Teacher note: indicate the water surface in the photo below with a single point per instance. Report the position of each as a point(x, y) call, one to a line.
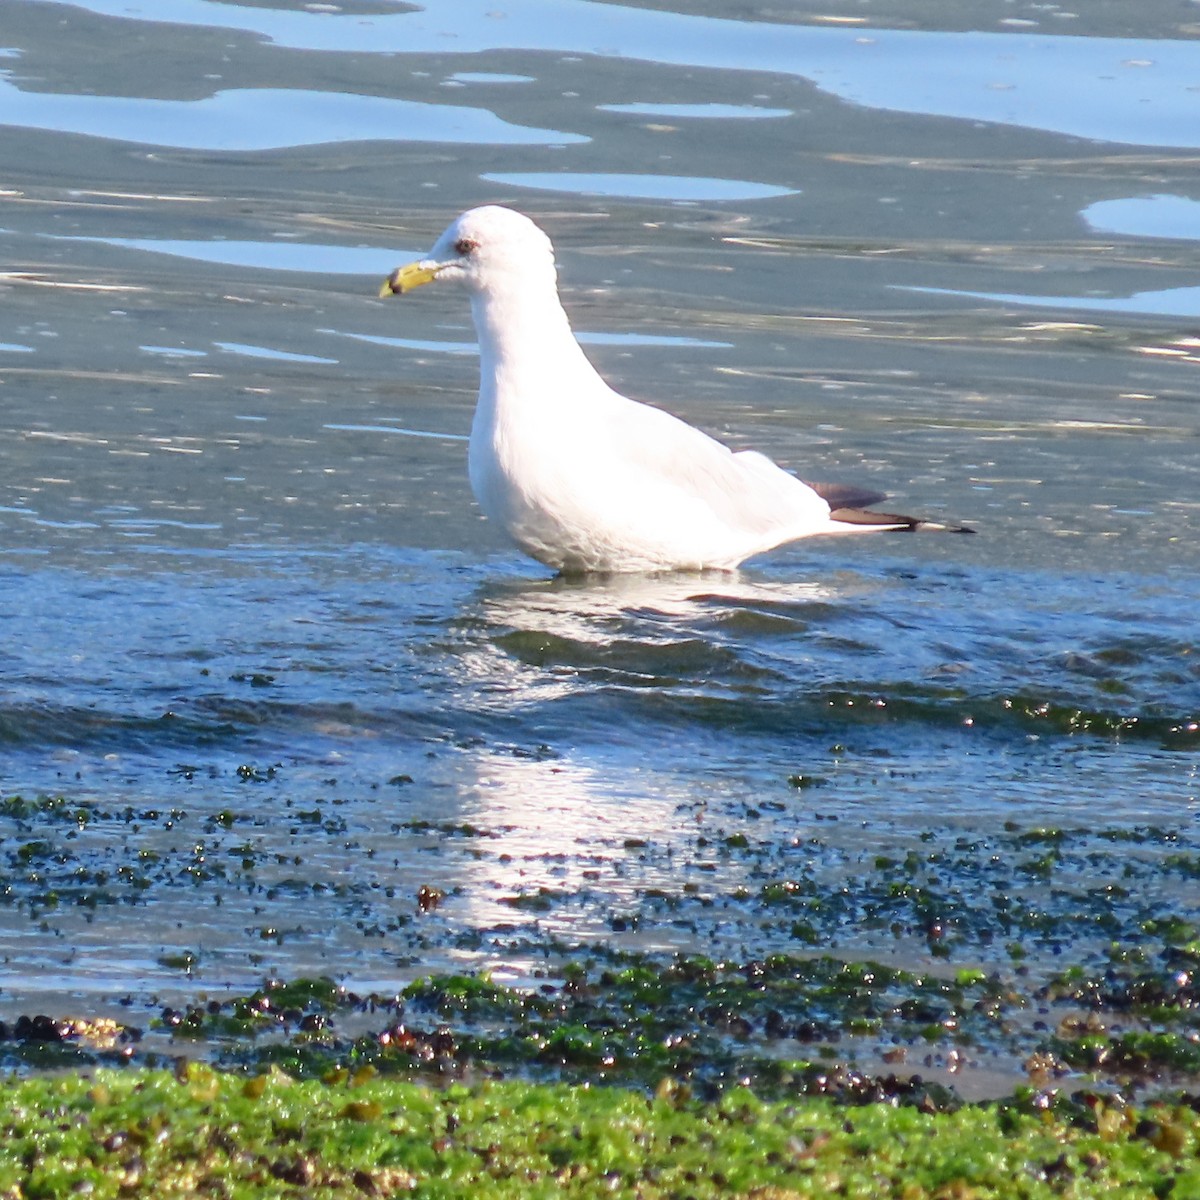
point(257, 633)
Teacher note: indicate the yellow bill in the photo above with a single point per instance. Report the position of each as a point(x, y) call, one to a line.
point(404, 279)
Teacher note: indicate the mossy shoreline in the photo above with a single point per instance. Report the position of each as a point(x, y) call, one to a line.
point(197, 1131)
point(941, 1016)
point(461, 1087)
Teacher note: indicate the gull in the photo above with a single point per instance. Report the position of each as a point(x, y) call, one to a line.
point(582, 478)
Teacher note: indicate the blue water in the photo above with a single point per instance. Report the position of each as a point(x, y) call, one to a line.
point(251, 615)
point(1135, 90)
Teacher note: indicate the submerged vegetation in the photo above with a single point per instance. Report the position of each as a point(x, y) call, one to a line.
point(787, 1026)
point(640, 1078)
point(1035, 953)
point(946, 1016)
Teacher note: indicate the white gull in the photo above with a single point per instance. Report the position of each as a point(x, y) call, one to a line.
point(582, 478)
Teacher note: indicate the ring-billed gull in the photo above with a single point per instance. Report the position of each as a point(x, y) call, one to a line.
point(583, 478)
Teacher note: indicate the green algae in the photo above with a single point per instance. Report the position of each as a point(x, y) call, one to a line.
point(873, 980)
point(786, 1024)
point(851, 959)
point(196, 1131)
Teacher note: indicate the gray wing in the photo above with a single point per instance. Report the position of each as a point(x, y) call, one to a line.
point(845, 495)
point(744, 488)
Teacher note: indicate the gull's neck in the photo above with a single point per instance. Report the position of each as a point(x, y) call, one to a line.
point(527, 351)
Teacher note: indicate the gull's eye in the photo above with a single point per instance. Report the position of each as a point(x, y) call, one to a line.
point(465, 246)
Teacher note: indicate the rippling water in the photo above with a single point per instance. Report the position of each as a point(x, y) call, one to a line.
point(253, 625)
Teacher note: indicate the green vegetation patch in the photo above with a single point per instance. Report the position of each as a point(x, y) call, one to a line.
point(201, 1132)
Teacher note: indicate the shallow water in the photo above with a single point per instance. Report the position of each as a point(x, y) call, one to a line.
point(255, 629)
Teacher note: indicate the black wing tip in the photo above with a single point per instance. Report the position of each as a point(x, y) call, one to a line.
point(894, 522)
point(943, 527)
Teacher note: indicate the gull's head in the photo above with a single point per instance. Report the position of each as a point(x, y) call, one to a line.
point(482, 250)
